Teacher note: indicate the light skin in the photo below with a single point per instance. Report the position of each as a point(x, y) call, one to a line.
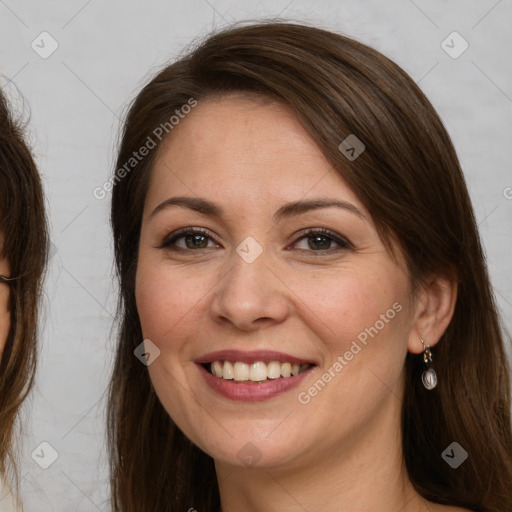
point(5, 317)
point(341, 451)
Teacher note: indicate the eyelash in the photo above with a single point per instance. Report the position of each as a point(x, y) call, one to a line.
point(169, 242)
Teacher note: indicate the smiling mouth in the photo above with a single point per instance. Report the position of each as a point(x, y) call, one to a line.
point(257, 372)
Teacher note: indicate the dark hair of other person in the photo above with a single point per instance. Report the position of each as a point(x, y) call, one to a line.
point(24, 233)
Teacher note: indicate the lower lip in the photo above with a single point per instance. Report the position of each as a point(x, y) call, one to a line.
point(256, 392)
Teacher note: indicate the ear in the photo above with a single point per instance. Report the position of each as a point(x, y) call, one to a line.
point(434, 309)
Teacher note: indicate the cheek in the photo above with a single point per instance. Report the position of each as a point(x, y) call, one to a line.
point(168, 303)
point(344, 306)
point(159, 304)
point(361, 318)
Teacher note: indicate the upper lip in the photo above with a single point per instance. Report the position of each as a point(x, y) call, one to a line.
point(251, 357)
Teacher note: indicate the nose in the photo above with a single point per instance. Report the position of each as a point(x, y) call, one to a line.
point(250, 296)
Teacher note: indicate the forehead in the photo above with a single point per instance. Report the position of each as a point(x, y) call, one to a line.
point(244, 147)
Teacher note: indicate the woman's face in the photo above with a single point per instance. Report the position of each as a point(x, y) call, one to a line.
point(254, 294)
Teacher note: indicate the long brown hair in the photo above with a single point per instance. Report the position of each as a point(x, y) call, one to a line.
point(25, 243)
point(410, 180)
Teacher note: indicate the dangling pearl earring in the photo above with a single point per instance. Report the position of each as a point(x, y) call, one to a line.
point(429, 377)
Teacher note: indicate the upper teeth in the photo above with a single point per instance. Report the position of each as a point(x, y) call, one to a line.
point(256, 372)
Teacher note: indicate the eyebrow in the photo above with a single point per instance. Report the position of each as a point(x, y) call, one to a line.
point(210, 209)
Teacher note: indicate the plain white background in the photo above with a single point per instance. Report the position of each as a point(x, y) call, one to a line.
point(77, 95)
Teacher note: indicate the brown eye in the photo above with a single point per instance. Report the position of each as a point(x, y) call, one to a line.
point(321, 241)
point(190, 238)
